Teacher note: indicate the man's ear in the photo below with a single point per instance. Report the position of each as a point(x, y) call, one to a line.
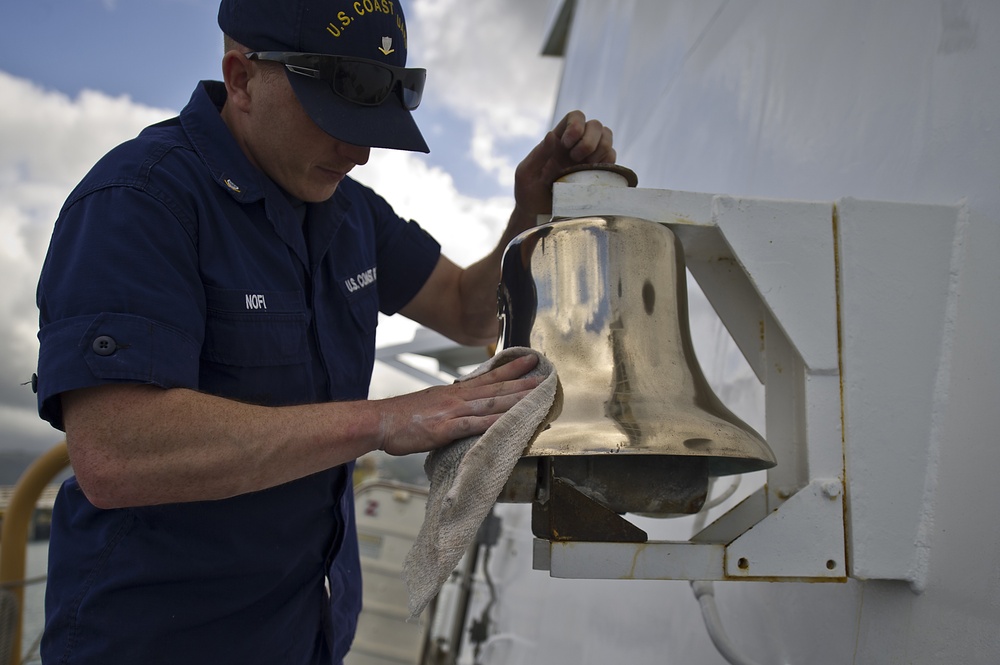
point(236, 72)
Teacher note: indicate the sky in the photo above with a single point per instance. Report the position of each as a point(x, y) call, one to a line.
point(79, 76)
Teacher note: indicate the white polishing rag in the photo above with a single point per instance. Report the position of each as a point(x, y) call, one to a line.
point(466, 479)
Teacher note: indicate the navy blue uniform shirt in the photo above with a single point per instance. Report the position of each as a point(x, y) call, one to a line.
point(177, 263)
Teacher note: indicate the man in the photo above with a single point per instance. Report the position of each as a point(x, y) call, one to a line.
point(208, 309)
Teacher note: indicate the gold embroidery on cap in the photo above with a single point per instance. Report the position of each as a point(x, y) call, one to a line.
point(364, 8)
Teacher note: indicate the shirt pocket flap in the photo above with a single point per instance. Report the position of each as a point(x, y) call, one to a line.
point(255, 328)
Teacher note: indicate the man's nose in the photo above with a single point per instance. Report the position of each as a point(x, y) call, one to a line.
point(356, 153)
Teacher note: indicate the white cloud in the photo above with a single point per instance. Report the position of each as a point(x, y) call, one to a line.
point(48, 141)
point(484, 65)
point(467, 228)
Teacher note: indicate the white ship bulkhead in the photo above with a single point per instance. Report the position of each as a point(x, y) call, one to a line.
point(832, 169)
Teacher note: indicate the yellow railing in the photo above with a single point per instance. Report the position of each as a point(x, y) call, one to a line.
point(14, 536)
point(17, 519)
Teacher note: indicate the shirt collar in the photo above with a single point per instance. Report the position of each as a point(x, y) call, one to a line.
point(211, 139)
point(215, 144)
point(234, 172)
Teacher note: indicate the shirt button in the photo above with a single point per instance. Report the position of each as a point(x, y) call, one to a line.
point(104, 345)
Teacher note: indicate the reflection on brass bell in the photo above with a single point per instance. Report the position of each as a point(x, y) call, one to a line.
point(637, 427)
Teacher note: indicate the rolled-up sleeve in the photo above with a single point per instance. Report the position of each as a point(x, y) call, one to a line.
point(119, 297)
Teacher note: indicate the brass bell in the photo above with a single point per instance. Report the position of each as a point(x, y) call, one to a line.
point(637, 429)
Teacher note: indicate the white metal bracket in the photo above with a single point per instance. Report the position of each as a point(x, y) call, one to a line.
point(777, 275)
point(797, 542)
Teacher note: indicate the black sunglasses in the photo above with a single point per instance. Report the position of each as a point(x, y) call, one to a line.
point(357, 80)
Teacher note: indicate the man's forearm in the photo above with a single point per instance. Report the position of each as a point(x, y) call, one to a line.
point(133, 445)
point(141, 445)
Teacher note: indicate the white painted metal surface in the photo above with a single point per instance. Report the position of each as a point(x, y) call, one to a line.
point(845, 102)
point(898, 285)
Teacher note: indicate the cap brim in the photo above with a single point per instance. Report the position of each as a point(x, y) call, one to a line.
point(387, 125)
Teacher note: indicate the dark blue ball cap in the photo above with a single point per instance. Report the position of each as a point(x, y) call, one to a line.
point(371, 29)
